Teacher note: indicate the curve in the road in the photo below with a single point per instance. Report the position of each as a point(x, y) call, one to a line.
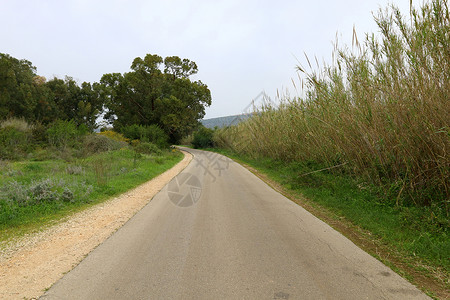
point(219, 232)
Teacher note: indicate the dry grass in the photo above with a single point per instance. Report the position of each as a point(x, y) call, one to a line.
point(382, 113)
point(18, 124)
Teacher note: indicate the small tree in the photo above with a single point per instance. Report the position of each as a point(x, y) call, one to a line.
point(203, 138)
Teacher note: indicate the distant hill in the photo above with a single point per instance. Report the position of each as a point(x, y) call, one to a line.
point(224, 121)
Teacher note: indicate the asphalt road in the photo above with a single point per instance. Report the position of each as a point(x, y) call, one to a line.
point(218, 232)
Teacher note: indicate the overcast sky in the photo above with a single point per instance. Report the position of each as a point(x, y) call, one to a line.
point(241, 47)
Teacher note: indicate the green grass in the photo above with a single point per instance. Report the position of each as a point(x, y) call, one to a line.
point(85, 181)
point(414, 232)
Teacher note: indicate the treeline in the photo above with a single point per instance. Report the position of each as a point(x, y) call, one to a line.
point(24, 94)
point(382, 114)
point(156, 92)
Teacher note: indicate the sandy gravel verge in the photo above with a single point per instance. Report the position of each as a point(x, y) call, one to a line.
point(33, 263)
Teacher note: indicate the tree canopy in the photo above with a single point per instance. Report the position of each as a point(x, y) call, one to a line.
point(156, 91)
point(24, 94)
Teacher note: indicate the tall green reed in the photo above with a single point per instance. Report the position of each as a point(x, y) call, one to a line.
point(382, 111)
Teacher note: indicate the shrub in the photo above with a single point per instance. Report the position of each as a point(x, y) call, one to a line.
point(15, 193)
point(39, 133)
point(15, 137)
point(96, 143)
point(62, 134)
point(41, 154)
point(133, 132)
point(187, 140)
point(157, 136)
point(203, 138)
point(147, 148)
point(114, 135)
point(152, 134)
point(43, 191)
point(19, 124)
point(74, 170)
point(67, 195)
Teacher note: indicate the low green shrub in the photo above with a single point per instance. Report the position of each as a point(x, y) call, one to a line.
point(187, 140)
point(74, 170)
point(152, 134)
point(41, 154)
point(203, 138)
point(97, 143)
point(114, 135)
point(15, 193)
point(19, 124)
point(15, 138)
point(147, 148)
point(63, 134)
point(39, 134)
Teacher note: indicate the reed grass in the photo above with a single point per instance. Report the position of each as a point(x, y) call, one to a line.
point(381, 112)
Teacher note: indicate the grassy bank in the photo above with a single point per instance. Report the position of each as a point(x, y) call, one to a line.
point(401, 237)
point(34, 193)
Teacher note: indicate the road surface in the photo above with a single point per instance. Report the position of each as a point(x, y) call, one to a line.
point(218, 232)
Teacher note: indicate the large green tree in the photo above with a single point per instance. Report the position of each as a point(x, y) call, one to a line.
point(16, 87)
point(68, 101)
point(156, 91)
point(24, 94)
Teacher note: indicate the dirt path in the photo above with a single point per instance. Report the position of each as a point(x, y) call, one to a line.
point(32, 264)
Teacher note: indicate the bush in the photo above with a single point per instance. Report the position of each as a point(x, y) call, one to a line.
point(39, 133)
point(15, 137)
point(152, 134)
point(133, 132)
point(62, 134)
point(203, 138)
point(74, 170)
point(45, 190)
point(187, 140)
point(96, 143)
point(114, 135)
point(41, 154)
point(19, 124)
point(147, 148)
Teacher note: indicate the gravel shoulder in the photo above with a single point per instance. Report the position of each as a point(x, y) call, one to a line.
point(31, 264)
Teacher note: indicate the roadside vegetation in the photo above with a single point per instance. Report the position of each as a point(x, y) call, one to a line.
point(399, 236)
point(70, 169)
point(155, 92)
point(52, 162)
point(370, 138)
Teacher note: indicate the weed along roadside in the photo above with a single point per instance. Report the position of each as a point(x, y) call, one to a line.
point(46, 185)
